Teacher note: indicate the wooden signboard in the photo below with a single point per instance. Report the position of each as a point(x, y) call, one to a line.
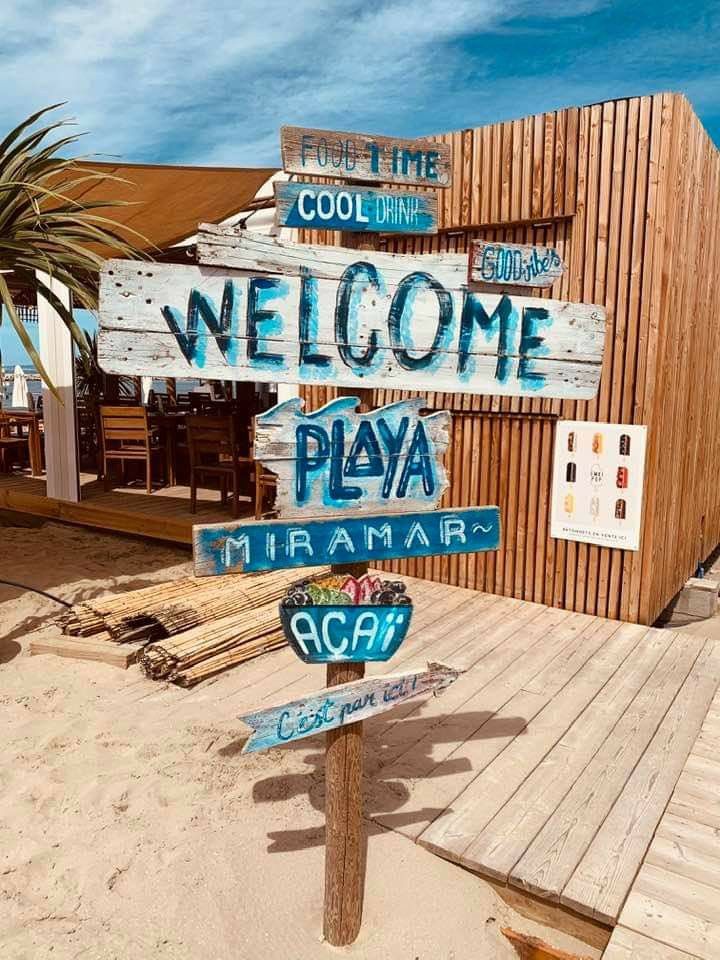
point(344, 318)
point(254, 545)
point(513, 264)
point(338, 706)
point(361, 209)
point(363, 156)
point(337, 461)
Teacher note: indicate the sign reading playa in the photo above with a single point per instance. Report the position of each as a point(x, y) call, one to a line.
point(263, 310)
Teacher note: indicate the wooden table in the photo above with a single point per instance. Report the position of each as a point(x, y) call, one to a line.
point(168, 424)
point(32, 420)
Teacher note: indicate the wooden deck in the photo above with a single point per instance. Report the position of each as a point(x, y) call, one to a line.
point(673, 909)
point(162, 515)
point(547, 766)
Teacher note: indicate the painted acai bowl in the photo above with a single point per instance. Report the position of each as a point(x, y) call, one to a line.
point(339, 618)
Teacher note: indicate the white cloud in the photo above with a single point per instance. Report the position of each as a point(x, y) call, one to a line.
point(211, 82)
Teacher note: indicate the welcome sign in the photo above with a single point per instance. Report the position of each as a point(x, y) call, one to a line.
point(338, 461)
point(343, 318)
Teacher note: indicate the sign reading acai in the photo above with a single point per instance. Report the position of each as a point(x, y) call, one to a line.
point(336, 461)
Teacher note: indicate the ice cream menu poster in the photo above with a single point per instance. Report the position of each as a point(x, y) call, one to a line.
point(597, 488)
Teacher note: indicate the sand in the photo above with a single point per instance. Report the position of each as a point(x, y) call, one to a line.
point(131, 832)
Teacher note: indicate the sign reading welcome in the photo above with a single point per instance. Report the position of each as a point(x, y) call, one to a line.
point(341, 317)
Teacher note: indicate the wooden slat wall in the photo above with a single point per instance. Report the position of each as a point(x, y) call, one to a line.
point(629, 193)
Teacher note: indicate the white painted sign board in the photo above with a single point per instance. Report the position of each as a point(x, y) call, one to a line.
point(597, 488)
point(263, 310)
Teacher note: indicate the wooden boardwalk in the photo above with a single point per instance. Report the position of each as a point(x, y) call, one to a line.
point(162, 515)
point(673, 909)
point(547, 766)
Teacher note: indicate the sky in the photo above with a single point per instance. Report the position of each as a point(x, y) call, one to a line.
point(203, 82)
point(210, 83)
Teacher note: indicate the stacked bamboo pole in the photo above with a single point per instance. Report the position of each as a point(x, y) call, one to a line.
point(194, 654)
point(194, 627)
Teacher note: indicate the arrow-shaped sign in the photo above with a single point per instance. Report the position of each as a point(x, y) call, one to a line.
point(338, 706)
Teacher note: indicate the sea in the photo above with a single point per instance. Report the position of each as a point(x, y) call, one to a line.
point(35, 385)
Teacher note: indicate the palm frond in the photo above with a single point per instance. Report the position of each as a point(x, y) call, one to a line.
point(47, 227)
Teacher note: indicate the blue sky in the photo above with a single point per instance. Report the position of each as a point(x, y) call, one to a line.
point(211, 82)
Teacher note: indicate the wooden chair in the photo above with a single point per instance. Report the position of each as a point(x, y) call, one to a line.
point(12, 441)
point(265, 482)
point(127, 436)
point(215, 451)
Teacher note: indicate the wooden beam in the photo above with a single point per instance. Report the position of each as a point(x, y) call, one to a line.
point(56, 352)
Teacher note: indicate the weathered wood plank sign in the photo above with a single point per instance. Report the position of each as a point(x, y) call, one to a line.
point(361, 209)
point(254, 545)
point(362, 156)
point(514, 264)
point(336, 706)
point(346, 318)
point(336, 461)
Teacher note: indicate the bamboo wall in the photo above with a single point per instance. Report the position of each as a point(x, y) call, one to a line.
point(628, 192)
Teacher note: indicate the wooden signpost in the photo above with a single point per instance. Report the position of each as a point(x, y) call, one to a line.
point(363, 156)
point(329, 709)
point(513, 264)
point(362, 209)
point(344, 318)
point(354, 485)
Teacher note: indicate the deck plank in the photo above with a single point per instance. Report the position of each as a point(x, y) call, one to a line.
point(620, 722)
point(471, 812)
point(604, 876)
point(514, 843)
point(628, 945)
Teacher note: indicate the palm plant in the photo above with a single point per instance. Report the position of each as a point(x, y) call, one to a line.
point(45, 227)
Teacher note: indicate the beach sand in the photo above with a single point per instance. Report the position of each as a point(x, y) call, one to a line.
point(130, 833)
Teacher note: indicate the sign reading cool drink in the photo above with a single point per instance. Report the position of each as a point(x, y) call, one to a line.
point(341, 317)
point(360, 208)
point(338, 461)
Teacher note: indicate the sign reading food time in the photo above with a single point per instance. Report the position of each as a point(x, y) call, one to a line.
point(363, 156)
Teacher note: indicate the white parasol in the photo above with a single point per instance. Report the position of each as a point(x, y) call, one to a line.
point(20, 390)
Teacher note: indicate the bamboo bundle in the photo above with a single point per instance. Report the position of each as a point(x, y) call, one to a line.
point(162, 610)
point(223, 661)
point(214, 603)
point(89, 616)
point(256, 629)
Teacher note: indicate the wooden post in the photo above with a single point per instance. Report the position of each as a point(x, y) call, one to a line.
point(344, 835)
point(56, 352)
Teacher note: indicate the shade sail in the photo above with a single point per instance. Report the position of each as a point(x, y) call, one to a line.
point(168, 202)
